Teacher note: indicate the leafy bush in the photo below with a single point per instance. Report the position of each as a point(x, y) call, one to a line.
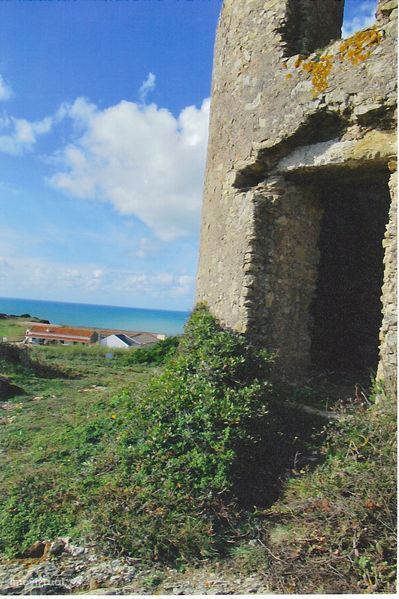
point(156, 354)
point(171, 471)
point(203, 441)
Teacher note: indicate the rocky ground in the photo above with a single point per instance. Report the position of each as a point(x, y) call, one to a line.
point(68, 569)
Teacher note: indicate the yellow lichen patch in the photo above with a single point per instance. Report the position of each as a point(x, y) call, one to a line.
point(298, 62)
point(356, 49)
point(319, 70)
point(359, 46)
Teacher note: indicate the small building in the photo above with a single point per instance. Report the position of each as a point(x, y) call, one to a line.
point(124, 341)
point(55, 334)
point(142, 339)
point(118, 341)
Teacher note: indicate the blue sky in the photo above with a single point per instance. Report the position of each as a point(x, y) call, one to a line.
point(104, 111)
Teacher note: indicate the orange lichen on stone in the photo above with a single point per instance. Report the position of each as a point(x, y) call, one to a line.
point(359, 46)
point(356, 49)
point(298, 62)
point(319, 70)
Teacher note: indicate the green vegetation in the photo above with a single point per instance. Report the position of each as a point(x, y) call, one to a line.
point(206, 457)
point(335, 528)
point(12, 328)
point(164, 471)
point(158, 353)
point(53, 438)
point(204, 443)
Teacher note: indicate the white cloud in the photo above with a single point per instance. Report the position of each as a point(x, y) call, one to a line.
point(364, 18)
point(147, 86)
point(5, 90)
point(140, 159)
point(154, 284)
point(20, 135)
point(184, 286)
point(32, 275)
point(5, 267)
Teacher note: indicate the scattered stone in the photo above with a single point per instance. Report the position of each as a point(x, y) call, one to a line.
point(74, 550)
point(36, 550)
point(45, 588)
point(90, 573)
point(57, 547)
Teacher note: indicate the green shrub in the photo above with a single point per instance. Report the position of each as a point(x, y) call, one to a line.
point(156, 354)
point(170, 471)
point(204, 440)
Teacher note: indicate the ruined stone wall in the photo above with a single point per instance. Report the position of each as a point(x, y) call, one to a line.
point(281, 268)
point(306, 25)
point(278, 121)
point(389, 331)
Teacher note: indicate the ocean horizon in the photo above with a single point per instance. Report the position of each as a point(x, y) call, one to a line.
point(168, 322)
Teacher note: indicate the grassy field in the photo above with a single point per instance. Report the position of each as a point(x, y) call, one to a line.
point(13, 328)
point(168, 468)
point(90, 443)
point(51, 405)
point(52, 433)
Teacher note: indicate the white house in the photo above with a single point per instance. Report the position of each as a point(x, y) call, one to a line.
point(118, 341)
point(123, 341)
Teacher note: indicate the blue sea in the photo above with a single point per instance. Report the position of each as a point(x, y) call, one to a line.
point(167, 322)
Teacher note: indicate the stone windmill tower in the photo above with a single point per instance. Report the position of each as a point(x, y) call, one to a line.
point(299, 216)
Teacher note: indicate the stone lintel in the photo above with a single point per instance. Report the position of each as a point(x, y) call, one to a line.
point(373, 150)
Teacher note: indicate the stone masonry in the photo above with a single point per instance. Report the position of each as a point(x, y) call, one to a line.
point(302, 125)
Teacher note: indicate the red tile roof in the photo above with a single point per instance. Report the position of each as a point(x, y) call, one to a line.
point(60, 333)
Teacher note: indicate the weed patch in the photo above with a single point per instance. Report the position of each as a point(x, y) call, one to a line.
point(206, 441)
point(204, 458)
point(55, 441)
point(335, 529)
point(19, 360)
point(157, 354)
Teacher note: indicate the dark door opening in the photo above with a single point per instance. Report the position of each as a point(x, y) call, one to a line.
point(346, 310)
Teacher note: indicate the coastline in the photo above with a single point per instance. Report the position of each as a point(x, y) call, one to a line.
point(28, 321)
point(99, 317)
